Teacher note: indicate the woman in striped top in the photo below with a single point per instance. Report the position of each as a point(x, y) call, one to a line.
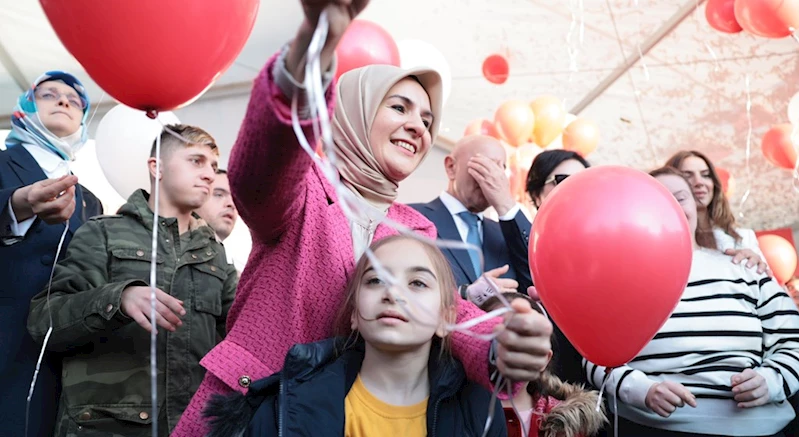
point(724, 363)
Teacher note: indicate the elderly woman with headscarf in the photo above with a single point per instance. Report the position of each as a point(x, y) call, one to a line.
point(39, 200)
point(304, 247)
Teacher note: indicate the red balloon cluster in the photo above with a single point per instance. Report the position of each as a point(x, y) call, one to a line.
point(607, 311)
point(766, 18)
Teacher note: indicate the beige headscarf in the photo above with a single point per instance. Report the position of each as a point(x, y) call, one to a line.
point(360, 93)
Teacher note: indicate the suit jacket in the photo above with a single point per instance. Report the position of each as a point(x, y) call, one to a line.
point(25, 268)
point(504, 242)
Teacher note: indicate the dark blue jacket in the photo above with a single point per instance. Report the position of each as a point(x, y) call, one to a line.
point(307, 398)
point(24, 271)
point(504, 242)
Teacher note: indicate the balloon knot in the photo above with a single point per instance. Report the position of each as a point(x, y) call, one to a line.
point(152, 113)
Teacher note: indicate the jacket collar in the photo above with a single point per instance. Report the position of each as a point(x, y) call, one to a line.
point(138, 208)
point(328, 363)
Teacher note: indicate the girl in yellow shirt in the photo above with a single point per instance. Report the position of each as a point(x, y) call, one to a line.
point(390, 373)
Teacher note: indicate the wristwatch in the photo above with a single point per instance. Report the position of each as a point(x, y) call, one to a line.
point(462, 291)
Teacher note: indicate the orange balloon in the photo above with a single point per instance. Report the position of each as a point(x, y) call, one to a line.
point(581, 136)
point(780, 255)
point(549, 118)
point(519, 162)
point(515, 121)
point(778, 148)
point(727, 181)
point(481, 127)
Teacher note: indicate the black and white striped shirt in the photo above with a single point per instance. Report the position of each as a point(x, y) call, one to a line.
point(728, 319)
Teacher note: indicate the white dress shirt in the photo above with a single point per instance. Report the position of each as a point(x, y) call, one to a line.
point(455, 207)
point(54, 167)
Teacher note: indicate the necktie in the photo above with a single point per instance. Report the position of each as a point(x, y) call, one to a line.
point(473, 237)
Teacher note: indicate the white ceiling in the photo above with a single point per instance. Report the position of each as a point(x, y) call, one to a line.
point(690, 95)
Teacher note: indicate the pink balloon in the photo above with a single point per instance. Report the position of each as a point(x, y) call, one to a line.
point(720, 15)
point(768, 18)
point(595, 265)
point(365, 43)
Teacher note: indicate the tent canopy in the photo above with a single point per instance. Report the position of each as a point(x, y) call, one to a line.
point(687, 92)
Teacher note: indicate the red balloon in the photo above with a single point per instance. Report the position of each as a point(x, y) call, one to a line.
point(720, 15)
point(153, 54)
point(365, 43)
point(780, 256)
point(769, 18)
point(482, 127)
point(496, 69)
point(778, 148)
point(594, 264)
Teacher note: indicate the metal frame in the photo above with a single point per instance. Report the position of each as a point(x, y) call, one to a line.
point(684, 12)
point(13, 69)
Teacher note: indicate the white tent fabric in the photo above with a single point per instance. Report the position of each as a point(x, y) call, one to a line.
point(687, 92)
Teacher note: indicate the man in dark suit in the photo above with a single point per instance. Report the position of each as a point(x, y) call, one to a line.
point(39, 200)
point(477, 180)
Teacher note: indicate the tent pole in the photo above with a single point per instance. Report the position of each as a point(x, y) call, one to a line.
point(666, 28)
point(13, 69)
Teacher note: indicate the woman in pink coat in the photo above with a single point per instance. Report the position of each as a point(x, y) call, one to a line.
point(304, 247)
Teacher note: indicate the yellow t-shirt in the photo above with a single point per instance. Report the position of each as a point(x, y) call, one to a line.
point(368, 416)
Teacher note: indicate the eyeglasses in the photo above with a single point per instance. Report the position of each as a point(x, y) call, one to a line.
point(556, 179)
point(54, 96)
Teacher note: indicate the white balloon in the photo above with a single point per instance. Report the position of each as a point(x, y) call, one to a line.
point(123, 142)
point(417, 53)
point(793, 109)
point(87, 168)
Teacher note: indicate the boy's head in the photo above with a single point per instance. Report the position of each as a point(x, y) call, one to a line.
point(219, 211)
point(188, 168)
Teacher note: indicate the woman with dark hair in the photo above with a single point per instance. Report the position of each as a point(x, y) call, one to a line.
point(716, 222)
point(549, 169)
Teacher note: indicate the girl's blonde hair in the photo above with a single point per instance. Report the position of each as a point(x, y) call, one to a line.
point(446, 285)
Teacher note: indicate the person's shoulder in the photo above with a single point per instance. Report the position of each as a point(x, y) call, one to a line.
point(410, 215)
point(713, 265)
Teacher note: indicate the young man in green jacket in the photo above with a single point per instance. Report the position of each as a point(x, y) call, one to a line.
point(100, 300)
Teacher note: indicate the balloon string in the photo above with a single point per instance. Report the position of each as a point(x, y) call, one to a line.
point(700, 26)
point(793, 34)
point(49, 328)
point(748, 149)
point(577, 25)
point(795, 144)
point(96, 108)
point(153, 278)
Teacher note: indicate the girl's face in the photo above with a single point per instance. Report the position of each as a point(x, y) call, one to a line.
point(393, 319)
point(697, 172)
point(400, 135)
point(682, 192)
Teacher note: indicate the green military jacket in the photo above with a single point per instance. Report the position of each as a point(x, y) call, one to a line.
point(106, 365)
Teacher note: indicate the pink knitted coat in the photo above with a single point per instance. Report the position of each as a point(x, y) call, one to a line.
point(301, 259)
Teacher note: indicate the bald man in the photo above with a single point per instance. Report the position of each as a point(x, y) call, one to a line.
point(477, 180)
